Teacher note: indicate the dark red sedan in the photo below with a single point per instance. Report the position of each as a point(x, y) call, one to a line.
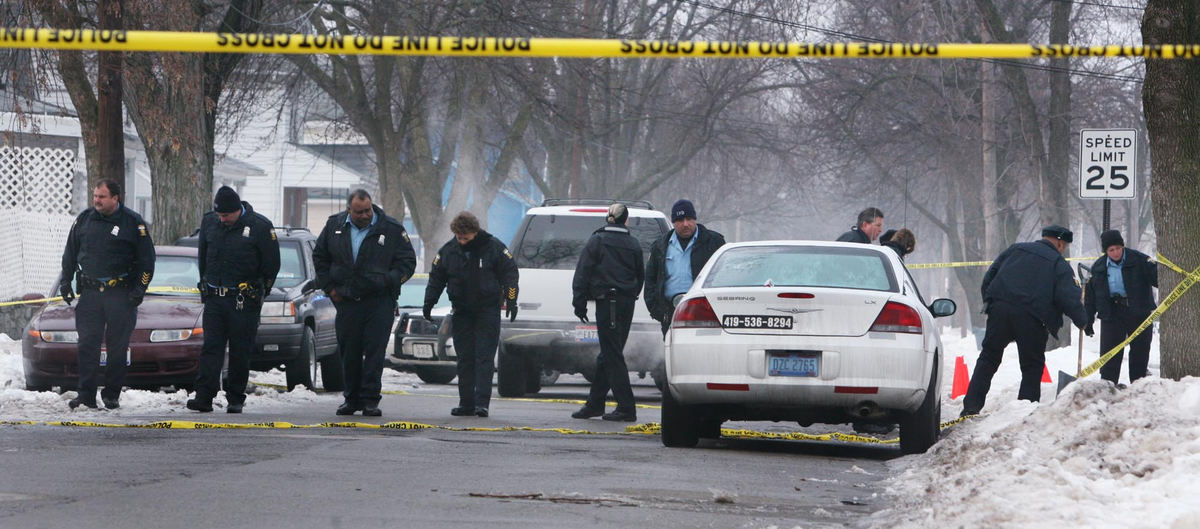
point(165, 346)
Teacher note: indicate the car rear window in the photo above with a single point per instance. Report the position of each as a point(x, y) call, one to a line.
point(802, 266)
point(555, 241)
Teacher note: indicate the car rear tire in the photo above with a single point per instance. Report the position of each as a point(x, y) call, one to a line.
point(680, 427)
point(33, 384)
point(659, 375)
point(510, 374)
point(331, 371)
point(299, 370)
point(533, 375)
point(920, 430)
point(436, 375)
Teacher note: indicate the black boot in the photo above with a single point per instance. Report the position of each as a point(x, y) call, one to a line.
point(77, 401)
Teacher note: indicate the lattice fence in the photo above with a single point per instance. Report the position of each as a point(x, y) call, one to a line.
point(35, 215)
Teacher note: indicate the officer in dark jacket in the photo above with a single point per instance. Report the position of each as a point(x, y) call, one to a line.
point(1120, 291)
point(111, 257)
point(362, 258)
point(480, 274)
point(1027, 290)
point(868, 228)
point(610, 271)
point(676, 259)
point(239, 259)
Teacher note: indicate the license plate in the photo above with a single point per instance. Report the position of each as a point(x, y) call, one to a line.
point(104, 356)
point(585, 334)
point(794, 364)
point(733, 321)
point(423, 350)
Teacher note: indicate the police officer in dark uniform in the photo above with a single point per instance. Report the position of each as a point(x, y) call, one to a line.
point(111, 257)
point(610, 271)
point(480, 274)
point(1121, 292)
point(239, 259)
point(362, 258)
point(1027, 290)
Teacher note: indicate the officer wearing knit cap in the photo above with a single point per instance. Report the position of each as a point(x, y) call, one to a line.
point(610, 272)
point(1121, 292)
point(675, 259)
point(239, 258)
point(1027, 290)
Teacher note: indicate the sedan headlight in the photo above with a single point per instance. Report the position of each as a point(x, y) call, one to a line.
point(173, 335)
point(278, 312)
point(60, 336)
point(420, 326)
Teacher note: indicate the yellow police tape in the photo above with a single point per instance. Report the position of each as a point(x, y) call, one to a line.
point(183, 41)
point(963, 264)
point(184, 290)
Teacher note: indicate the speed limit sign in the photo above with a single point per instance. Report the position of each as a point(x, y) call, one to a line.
point(1107, 163)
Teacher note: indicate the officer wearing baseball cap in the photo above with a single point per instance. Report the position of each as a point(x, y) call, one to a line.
point(1121, 292)
point(239, 259)
point(1027, 290)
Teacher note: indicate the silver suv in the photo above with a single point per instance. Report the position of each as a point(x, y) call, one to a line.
point(547, 338)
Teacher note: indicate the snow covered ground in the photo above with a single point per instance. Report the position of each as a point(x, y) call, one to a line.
point(1092, 457)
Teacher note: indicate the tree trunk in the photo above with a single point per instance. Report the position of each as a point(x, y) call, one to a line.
point(110, 119)
point(1171, 99)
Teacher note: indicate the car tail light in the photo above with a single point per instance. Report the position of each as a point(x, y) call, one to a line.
point(695, 312)
point(590, 210)
point(897, 317)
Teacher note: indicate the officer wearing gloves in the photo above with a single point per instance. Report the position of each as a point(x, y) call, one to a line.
point(110, 255)
point(1027, 290)
point(239, 259)
point(362, 258)
point(610, 271)
point(480, 274)
point(676, 259)
point(1121, 292)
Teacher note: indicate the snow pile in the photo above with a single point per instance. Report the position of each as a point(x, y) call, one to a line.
point(1094, 457)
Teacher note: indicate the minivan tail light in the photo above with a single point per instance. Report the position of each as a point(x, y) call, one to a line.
point(693, 313)
point(897, 317)
point(589, 210)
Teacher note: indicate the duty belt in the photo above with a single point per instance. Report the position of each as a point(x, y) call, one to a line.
point(244, 289)
point(86, 282)
point(1118, 299)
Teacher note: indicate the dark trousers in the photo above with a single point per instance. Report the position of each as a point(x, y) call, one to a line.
point(362, 331)
point(226, 325)
point(611, 371)
point(1007, 323)
point(1122, 322)
point(476, 335)
point(107, 317)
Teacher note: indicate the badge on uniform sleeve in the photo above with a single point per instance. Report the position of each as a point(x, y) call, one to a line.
point(437, 258)
point(142, 230)
point(406, 239)
point(246, 231)
point(116, 230)
point(381, 238)
point(507, 253)
point(273, 235)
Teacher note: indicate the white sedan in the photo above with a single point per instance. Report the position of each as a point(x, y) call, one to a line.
point(806, 331)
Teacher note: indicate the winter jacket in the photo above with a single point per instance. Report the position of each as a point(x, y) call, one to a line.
point(1036, 278)
point(478, 276)
point(706, 244)
point(611, 259)
point(854, 235)
point(1139, 274)
point(385, 259)
point(246, 251)
point(116, 246)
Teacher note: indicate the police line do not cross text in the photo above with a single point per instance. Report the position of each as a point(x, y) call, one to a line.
point(1107, 163)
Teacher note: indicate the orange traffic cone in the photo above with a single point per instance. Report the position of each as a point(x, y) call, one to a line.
point(1046, 375)
point(961, 380)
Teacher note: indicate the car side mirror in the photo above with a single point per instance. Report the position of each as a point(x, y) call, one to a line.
point(942, 307)
point(308, 287)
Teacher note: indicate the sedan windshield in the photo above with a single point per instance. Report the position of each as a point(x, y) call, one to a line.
point(756, 266)
point(174, 275)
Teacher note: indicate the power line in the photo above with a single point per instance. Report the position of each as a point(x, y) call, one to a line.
point(864, 38)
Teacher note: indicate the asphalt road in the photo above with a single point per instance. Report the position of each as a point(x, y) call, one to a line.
point(55, 476)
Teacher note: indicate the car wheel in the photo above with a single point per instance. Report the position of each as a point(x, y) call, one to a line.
point(510, 374)
point(33, 384)
point(548, 377)
point(331, 371)
point(680, 428)
point(710, 428)
point(300, 370)
point(659, 375)
point(920, 430)
point(533, 375)
point(436, 375)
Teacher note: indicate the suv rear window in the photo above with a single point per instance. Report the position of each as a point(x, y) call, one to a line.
point(555, 241)
point(799, 266)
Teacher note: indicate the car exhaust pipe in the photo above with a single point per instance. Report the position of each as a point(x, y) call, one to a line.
point(865, 410)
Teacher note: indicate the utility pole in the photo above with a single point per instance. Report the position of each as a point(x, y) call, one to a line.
point(110, 137)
